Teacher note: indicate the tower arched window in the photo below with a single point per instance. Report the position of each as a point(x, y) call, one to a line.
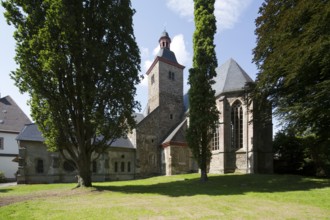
point(236, 125)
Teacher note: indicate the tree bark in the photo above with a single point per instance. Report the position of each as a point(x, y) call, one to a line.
point(204, 177)
point(203, 165)
point(84, 173)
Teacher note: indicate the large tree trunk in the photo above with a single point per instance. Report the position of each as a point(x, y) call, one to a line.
point(84, 173)
point(203, 165)
point(204, 177)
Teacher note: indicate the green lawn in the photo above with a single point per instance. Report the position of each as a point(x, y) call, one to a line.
point(174, 197)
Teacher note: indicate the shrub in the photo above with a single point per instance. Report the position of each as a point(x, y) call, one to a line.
point(2, 177)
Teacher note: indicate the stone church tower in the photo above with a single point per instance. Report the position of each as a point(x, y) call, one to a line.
point(164, 110)
point(242, 143)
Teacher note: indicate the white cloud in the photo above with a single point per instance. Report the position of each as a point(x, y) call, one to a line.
point(146, 65)
point(178, 46)
point(184, 8)
point(156, 50)
point(227, 12)
point(144, 52)
point(144, 81)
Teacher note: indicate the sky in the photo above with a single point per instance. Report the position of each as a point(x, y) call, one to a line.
point(235, 39)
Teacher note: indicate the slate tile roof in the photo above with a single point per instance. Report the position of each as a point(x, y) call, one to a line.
point(167, 54)
point(230, 78)
point(172, 135)
point(31, 133)
point(12, 118)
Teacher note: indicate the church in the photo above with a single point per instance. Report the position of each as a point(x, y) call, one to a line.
point(157, 146)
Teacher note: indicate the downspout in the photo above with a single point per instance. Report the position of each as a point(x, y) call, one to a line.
point(247, 130)
point(247, 139)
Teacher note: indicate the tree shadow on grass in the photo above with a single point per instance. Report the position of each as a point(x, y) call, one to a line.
point(4, 190)
point(223, 185)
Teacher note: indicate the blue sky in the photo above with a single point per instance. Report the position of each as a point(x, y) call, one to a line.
point(234, 39)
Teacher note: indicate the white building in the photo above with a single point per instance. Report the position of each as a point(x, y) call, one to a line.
point(12, 120)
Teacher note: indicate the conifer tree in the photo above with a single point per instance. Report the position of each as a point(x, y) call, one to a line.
point(203, 114)
point(79, 62)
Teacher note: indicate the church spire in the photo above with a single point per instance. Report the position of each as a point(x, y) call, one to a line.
point(164, 40)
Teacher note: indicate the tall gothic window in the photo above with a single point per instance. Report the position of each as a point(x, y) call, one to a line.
point(237, 125)
point(215, 139)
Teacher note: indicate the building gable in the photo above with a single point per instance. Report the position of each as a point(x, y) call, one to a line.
point(12, 118)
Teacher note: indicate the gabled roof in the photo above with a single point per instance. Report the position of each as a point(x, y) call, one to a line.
point(172, 136)
point(230, 78)
point(12, 118)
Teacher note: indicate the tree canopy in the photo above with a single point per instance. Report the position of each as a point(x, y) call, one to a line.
point(292, 54)
point(79, 62)
point(203, 114)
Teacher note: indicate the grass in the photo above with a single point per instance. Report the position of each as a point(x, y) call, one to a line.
point(174, 197)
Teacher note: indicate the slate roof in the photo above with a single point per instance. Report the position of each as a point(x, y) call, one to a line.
point(122, 142)
point(230, 78)
point(174, 132)
point(167, 54)
point(31, 133)
point(12, 118)
point(164, 34)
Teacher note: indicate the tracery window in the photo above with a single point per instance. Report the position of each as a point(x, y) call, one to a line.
point(237, 125)
point(215, 140)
